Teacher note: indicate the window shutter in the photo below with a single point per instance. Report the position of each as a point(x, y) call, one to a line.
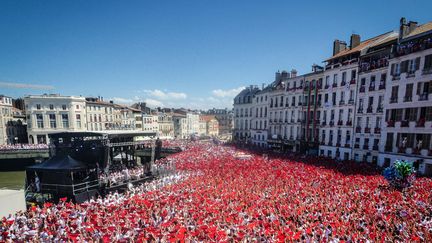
point(417, 63)
point(418, 88)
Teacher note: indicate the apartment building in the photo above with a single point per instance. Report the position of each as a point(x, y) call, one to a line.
point(224, 118)
point(406, 134)
point(260, 121)
point(53, 113)
point(370, 98)
point(100, 114)
point(243, 114)
point(6, 117)
point(166, 125)
point(340, 78)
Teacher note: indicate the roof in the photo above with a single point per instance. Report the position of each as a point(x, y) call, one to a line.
point(207, 118)
point(108, 133)
point(358, 48)
point(59, 163)
point(420, 30)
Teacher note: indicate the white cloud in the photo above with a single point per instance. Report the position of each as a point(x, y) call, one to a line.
point(153, 103)
point(159, 94)
point(230, 93)
point(122, 100)
point(26, 86)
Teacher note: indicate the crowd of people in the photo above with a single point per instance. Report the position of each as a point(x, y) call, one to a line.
point(22, 146)
point(216, 197)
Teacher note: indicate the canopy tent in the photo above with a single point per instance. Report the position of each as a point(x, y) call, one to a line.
point(59, 163)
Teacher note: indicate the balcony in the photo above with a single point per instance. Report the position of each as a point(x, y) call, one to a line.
point(340, 123)
point(381, 86)
point(299, 104)
point(330, 143)
point(411, 47)
point(396, 77)
point(401, 150)
point(362, 89)
point(338, 144)
point(323, 123)
point(331, 123)
point(427, 70)
point(377, 130)
point(407, 98)
point(351, 102)
point(420, 122)
point(334, 85)
point(349, 123)
point(360, 110)
point(410, 74)
point(405, 123)
point(424, 96)
point(356, 145)
point(366, 147)
point(306, 88)
point(369, 109)
point(367, 130)
point(326, 86)
point(415, 151)
point(375, 147)
point(390, 123)
point(341, 102)
point(358, 129)
point(292, 120)
point(347, 145)
point(343, 83)
point(372, 88)
point(393, 100)
point(319, 86)
point(322, 143)
point(388, 148)
point(353, 81)
point(379, 109)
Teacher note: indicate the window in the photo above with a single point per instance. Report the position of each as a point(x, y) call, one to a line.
point(327, 80)
point(39, 120)
point(334, 98)
point(51, 107)
point(394, 94)
point(52, 118)
point(344, 77)
point(64, 107)
point(77, 107)
point(428, 63)
point(408, 92)
point(363, 81)
point(353, 74)
point(411, 114)
point(38, 106)
point(335, 78)
point(78, 121)
point(65, 120)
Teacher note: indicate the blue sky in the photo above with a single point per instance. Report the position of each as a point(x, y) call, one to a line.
point(194, 54)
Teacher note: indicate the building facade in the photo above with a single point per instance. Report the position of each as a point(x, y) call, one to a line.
point(243, 115)
point(407, 130)
point(6, 117)
point(52, 113)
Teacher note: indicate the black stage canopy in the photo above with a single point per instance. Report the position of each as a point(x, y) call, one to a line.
point(59, 163)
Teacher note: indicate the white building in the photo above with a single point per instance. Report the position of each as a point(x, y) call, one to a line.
point(150, 123)
point(260, 121)
point(6, 117)
point(166, 125)
point(186, 125)
point(407, 131)
point(370, 98)
point(100, 114)
point(53, 113)
point(340, 78)
point(243, 114)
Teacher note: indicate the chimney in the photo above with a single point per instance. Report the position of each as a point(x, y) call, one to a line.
point(293, 73)
point(277, 75)
point(354, 40)
point(263, 85)
point(411, 26)
point(284, 75)
point(338, 46)
point(403, 28)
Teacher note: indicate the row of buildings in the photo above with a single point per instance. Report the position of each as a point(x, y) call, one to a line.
point(41, 115)
point(371, 101)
